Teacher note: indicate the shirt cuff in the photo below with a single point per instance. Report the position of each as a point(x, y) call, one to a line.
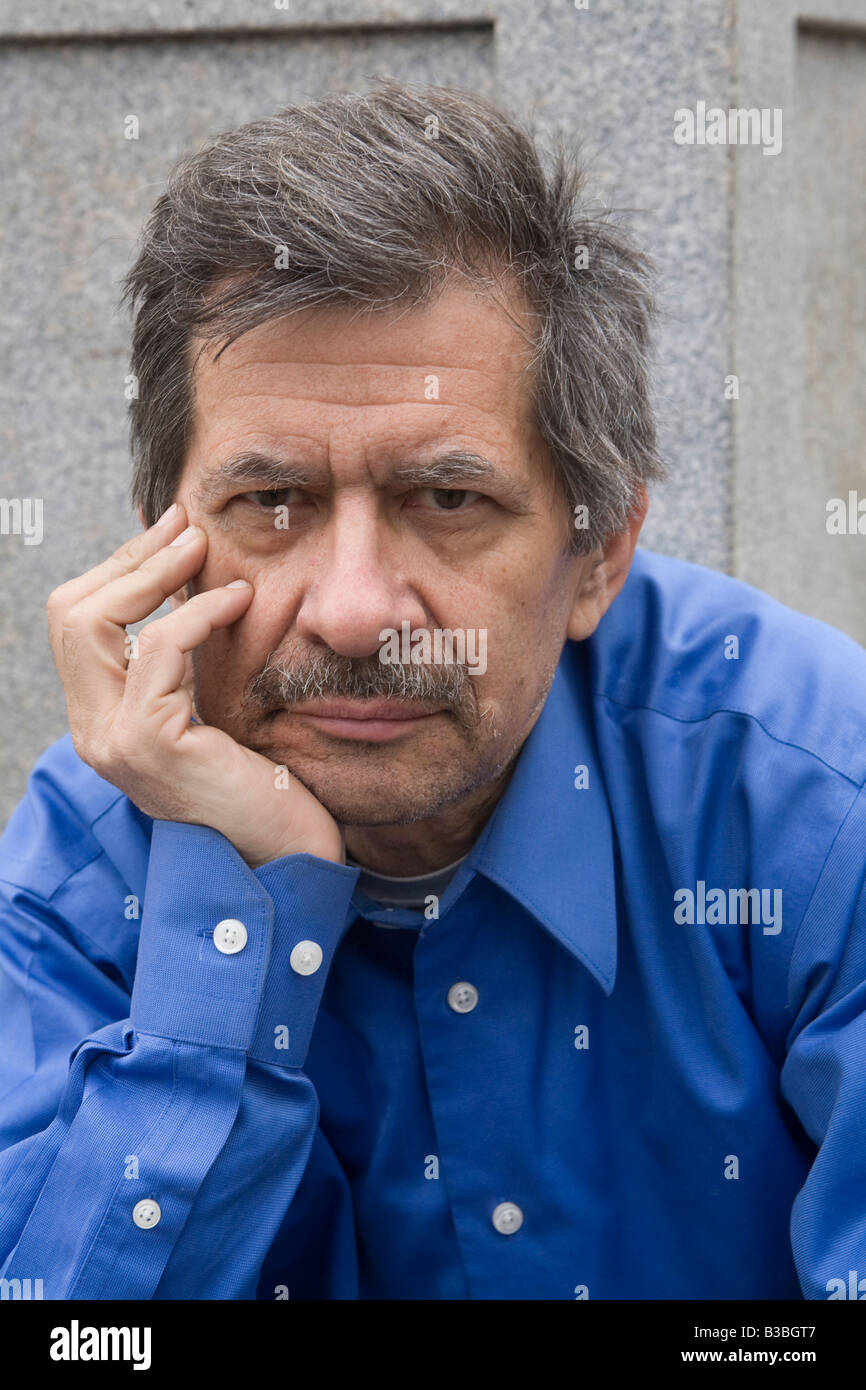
point(312, 901)
point(214, 932)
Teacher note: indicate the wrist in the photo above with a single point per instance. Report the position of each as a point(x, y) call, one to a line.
point(321, 847)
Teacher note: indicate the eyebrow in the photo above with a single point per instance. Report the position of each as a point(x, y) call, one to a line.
point(449, 470)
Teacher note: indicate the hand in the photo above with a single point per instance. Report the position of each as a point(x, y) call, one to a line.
point(131, 723)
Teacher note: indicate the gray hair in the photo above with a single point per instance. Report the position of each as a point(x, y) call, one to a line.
point(377, 198)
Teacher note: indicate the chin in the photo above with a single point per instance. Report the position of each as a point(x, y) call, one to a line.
point(372, 813)
point(357, 803)
point(355, 795)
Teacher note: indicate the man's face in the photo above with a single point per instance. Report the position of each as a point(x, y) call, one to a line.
point(354, 544)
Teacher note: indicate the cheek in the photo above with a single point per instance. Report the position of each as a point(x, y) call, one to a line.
point(528, 611)
point(231, 656)
point(527, 604)
point(224, 561)
point(513, 632)
point(272, 607)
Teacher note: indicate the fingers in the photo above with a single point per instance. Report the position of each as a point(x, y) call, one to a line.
point(89, 639)
point(160, 666)
point(139, 592)
point(128, 557)
point(89, 636)
point(153, 695)
point(68, 625)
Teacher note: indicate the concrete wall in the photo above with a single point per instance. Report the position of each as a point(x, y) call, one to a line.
point(752, 250)
point(799, 308)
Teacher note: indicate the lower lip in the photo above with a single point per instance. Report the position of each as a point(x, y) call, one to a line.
point(367, 730)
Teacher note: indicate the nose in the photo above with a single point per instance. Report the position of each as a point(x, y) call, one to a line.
point(359, 586)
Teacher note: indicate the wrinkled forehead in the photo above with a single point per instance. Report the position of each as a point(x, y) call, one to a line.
point(460, 330)
point(456, 369)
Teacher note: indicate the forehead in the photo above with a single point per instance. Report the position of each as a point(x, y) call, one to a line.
point(458, 364)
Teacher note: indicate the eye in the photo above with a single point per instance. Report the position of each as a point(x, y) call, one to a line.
point(269, 498)
point(450, 499)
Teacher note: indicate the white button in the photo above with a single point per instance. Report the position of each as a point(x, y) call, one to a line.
point(306, 957)
point(463, 997)
point(146, 1214)
point(507, 1218)
point(230, 936)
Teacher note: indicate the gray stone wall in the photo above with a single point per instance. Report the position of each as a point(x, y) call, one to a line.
point(759, 256)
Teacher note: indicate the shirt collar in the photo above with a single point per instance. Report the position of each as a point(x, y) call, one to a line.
point(550, 845)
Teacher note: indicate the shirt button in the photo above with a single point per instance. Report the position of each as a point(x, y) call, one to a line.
point(507, 1218)
point(230, 936)
point(306, 957)
point(462, 997)
point(146, 1214)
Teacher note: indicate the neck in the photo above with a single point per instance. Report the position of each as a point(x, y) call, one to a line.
point(425, 845)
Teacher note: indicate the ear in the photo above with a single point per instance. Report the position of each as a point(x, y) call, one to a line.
point(141, 518)
point(607, 573)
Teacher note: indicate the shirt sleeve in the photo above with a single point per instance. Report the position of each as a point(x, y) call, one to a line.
point(824, 1074)
point(183, 1127)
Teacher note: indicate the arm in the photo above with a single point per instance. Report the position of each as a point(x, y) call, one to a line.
point(824, 1074)
point(182, 1131)
point(161, 1163)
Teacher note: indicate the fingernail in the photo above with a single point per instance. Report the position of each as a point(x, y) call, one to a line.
point(238, 584)
point(166, 516)
point(185, 536)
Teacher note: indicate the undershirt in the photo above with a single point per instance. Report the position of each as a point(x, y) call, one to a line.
point(411, 892)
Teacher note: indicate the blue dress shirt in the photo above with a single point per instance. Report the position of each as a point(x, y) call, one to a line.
point(650, 1082)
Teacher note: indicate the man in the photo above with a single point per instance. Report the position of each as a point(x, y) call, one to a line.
point(444, 899)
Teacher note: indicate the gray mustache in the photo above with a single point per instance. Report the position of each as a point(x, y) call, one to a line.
point(332, 676)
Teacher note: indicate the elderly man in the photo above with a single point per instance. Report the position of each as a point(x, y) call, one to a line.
point(336, 964)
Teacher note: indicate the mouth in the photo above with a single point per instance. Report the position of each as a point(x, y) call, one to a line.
point(374, 721)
